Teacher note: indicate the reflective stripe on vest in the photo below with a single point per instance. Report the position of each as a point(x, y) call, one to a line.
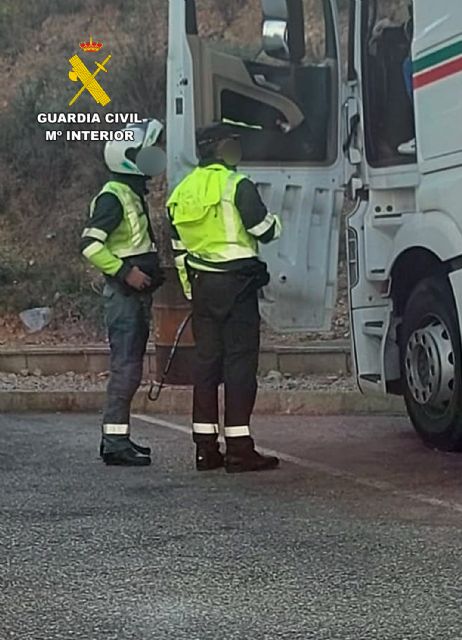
point(234, 249)
point(208, 223)
point(132, 236)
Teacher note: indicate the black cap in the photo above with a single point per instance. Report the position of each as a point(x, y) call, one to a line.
point(217, 132)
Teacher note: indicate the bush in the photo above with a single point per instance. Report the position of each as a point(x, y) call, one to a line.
point(22, 145)
point(19, 19)
point(139, 85)
point(64, 286)
point(47, 186)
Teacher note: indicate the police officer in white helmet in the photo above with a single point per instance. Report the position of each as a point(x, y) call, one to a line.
point(118, 240)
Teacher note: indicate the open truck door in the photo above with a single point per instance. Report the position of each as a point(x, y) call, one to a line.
point(380, 121)
point(274, 66)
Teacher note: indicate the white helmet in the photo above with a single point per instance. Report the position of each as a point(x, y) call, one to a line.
point(146, 134)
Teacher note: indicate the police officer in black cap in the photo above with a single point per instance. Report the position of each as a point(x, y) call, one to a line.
point(218, 219)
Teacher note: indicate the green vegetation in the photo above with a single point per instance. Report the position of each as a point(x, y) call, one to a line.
point(20, 19)
point(46, 187)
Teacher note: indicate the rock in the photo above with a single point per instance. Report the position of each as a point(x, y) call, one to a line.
point(274, 377)
point(36, 319)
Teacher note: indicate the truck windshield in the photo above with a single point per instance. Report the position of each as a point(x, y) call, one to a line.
point(235, 27)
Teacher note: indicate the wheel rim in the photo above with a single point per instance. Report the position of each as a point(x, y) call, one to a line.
point(430, 366)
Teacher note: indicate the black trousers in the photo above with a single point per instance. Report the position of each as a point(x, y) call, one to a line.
point(226, 326)
point(128, 321)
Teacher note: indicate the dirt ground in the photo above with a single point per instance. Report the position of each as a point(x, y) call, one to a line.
point(74, 331)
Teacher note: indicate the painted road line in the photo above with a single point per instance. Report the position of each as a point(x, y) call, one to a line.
point(319, 467)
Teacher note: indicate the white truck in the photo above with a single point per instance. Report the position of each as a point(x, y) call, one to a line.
point(334, 117)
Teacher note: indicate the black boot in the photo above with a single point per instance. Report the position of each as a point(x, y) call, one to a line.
point(241, 457)
point(208, 456)
point(145, 451)
point(118, 451)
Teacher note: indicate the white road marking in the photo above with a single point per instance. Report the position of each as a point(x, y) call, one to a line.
point(379, 485)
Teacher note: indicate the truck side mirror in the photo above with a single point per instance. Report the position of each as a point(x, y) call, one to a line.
point(284, 29)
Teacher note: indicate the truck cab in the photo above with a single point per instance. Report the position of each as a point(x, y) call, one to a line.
point(333, 118)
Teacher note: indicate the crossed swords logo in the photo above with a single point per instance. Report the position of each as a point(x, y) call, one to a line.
point(80, 72)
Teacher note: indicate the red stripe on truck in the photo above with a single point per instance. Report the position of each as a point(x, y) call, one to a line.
point(438, 73)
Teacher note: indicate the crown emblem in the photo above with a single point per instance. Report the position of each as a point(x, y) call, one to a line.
point(91, 46)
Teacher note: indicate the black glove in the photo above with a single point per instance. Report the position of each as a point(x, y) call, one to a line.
point(150, 265)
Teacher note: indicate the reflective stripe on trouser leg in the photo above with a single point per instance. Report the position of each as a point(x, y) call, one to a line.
point(237, 432)
point(205, 428)
point(116, 429)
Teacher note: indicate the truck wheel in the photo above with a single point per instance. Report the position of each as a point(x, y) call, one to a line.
point(431, 365)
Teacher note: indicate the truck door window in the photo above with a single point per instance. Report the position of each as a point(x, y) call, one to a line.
point(388, 105)
point(273, 95)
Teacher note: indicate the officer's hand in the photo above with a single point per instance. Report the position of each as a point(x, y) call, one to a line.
point(138, 279)
point(283, 126)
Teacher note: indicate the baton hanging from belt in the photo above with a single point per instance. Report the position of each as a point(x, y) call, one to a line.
point(154, 395)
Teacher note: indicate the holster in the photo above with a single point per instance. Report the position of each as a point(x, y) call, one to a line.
point(251, 278)
point(254, 277)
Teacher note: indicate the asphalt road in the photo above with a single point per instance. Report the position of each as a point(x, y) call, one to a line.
point(357, 536)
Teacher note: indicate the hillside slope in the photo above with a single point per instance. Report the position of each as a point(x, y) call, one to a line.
point(45, 188)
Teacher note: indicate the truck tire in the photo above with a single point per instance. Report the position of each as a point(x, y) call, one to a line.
point(431, 364)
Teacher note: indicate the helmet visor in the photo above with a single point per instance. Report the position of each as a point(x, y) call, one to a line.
point(152, 133)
